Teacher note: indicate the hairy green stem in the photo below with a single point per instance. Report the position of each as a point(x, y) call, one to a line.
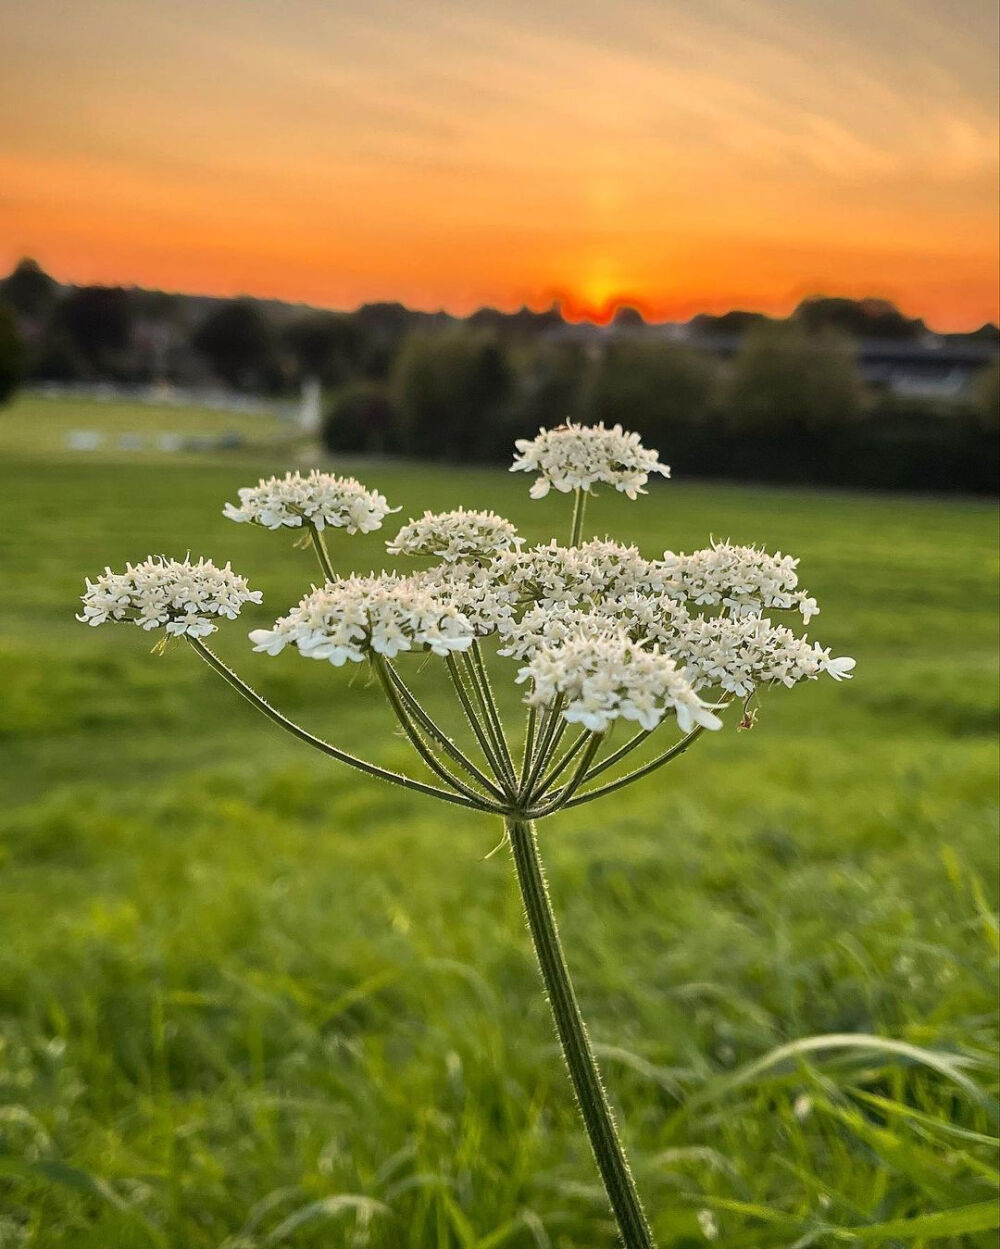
point(319, 546)
point(434, 731)
point(416, 740)
point(372, 769)
point(576, 1048)
point(617, 755)
point(675, 750)
point(559, 800)
point(551, 718)
point(485, 743)
point(559, 767)
point(579, 507)
point(529, 749)
point(481, 679)
point(482, 700)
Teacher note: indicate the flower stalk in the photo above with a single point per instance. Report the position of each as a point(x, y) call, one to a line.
point(579, 510)
point(576, 1048)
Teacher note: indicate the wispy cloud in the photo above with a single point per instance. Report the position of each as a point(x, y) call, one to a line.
point(456, 152)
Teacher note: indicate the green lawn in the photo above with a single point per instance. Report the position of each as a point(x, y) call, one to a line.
point(35, 425)
point(250, 999)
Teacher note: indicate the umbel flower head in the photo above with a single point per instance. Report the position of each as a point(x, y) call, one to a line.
point(744, 579)
point(320, 500)
point(353, 617)
point(175, 595)
point(454, 536)
point(578, 576)
point(601, 675)
point(577, 457)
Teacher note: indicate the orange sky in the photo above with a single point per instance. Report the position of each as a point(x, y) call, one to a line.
point(687, 156)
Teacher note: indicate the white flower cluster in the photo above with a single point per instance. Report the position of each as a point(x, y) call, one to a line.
point(644, 618)
point(602, 677)
point(320, 500)
point(738, 654)
point(576, 457)
point(743, 579)
point(454, 536)
point(474, 590)
point(176, 595)
point(348, 619)
point(562, 576)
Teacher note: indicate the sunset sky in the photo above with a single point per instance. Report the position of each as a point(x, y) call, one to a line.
point(686, 156)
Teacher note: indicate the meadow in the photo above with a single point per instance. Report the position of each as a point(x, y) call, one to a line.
point(249, 999)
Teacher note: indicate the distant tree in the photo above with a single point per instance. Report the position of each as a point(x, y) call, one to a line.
point(451, 389)
point(652, 386)
point(860, 318)
point(785, 379)
point(986, 396)
point(12, 353)
point(327, 345)
point(29, 290)
point(97, 320)
point(383, 327)
point(523, 324)
point(735, 323)
point(628, 318)
point(555, 378)
point(361, 418)
point(237, 340)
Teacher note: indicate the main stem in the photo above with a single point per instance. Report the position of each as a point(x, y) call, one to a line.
point(583, 1070)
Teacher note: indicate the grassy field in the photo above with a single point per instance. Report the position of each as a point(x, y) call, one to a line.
point(35, 425)
point(249, 999)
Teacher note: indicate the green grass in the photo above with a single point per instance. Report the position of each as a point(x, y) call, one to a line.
point(250, 999)
point(34, 425)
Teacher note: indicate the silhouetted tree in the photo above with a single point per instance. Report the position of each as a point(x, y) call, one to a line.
point(238, 342)
point(361, 418)
point(860, 318)
point(555, 379)
point(29, 290)
point(327, 345)
point(383, 327)
point(12, 353)
point(653, 387)
point(97, 320)
point(628, 318)
point(735, 323)
point(451, 389)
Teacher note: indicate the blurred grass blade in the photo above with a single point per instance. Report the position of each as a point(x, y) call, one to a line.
point(328, 1207)
point(984, 1216)
point(948, 1065)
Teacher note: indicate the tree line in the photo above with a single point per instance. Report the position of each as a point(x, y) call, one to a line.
point(787, 402)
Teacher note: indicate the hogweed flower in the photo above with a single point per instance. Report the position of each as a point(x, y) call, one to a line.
point(319, 499)
point(455, 536)
point(354, 617)
point(578, 457)
point(175, 595)
point(599, 676)
point(594, 631)
point(742, 578)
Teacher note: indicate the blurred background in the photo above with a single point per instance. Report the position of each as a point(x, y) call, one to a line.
point(247, 999)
